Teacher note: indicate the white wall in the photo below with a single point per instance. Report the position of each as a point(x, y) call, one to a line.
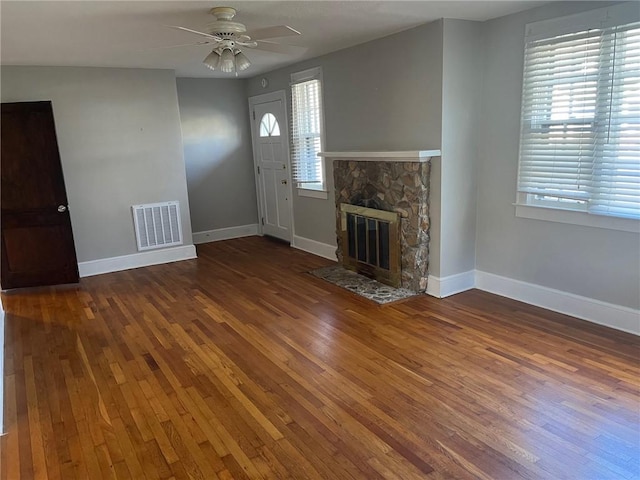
point(591, 262)
point(217, 152)
point(461, 90)
point(120, 144)
point(381, 95)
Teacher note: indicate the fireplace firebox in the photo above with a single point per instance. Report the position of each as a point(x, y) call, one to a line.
point(371, 242)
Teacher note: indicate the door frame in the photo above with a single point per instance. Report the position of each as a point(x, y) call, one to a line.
point(257, 100)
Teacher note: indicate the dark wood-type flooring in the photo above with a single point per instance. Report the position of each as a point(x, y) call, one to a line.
point(242, 365)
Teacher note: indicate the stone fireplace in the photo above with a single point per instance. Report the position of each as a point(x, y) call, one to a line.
point(394, 182)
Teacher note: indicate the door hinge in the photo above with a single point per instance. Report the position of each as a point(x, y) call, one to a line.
point(258, 169)
point(254, 114)
point(262, 220)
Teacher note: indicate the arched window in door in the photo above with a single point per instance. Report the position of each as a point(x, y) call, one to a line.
point(269, 126)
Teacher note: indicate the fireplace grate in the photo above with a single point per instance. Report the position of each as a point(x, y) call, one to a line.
point(371, 242)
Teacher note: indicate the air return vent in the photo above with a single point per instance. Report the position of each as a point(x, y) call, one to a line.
point(157, 225)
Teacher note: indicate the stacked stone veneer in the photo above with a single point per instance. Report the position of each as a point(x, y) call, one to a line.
point(401, 187)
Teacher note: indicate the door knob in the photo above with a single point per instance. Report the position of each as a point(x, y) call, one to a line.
point(62, 208)
point(284, 182)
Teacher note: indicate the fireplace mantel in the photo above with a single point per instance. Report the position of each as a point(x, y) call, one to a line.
point(420, 156)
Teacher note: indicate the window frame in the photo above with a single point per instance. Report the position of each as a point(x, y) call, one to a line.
point(527, 205)
point(312, 190)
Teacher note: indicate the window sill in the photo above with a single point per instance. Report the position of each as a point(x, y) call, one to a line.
point(305, 192)
point(573, 217)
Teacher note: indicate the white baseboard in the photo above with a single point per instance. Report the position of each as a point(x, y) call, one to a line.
point(317, 248)
point(441, 287)
point(136, 260)
point(596, 311)
point(225, 233)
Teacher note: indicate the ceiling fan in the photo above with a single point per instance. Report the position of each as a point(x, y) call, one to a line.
point(228, 38)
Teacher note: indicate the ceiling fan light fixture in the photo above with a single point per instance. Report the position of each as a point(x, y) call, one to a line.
point(242, 62)
point(228, 37)
point(212, 60)
point(227, 63)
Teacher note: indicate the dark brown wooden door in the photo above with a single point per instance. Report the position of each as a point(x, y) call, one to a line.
point(37, 241)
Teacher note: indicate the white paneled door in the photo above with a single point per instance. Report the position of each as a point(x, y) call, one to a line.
point(271, 151)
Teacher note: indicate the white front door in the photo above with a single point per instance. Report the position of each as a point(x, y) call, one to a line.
point(271, 151)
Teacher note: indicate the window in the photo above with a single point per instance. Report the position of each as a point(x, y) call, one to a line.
point(580, 133)
point(269, 126)
point(306, 130)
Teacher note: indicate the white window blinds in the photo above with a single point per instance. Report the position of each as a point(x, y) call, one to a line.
point(580, 133)
point(306, 134)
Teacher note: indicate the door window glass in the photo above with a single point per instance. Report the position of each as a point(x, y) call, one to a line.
point(269, 126)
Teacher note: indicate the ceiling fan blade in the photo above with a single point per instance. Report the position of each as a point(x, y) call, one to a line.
point(273, 32)
point(204, 42)
point(250, 44)
point(218, 39)
point(280, 48)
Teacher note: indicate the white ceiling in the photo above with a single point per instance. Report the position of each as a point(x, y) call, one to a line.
point(130, 33)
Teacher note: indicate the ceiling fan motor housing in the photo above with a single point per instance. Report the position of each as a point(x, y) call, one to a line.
point(224, 26)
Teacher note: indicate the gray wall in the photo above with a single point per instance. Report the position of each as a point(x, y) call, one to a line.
point(592, 262)
point(217, 153)
point(120, 145)
point(461, 101)
point(382, 95)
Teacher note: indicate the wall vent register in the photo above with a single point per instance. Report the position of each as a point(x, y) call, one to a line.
point(157, 225)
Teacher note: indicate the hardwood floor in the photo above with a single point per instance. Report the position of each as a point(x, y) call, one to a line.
point(242, 365)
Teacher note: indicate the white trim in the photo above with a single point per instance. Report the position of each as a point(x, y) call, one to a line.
point(620, 14)
point(225, 233)
point(596, 311)
point(136, 260)
point(266, 97)
point(446, 286)
point(307, 192)
point(317, 248)
point(420, 156)
point(573, 217)
point(314, 73)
